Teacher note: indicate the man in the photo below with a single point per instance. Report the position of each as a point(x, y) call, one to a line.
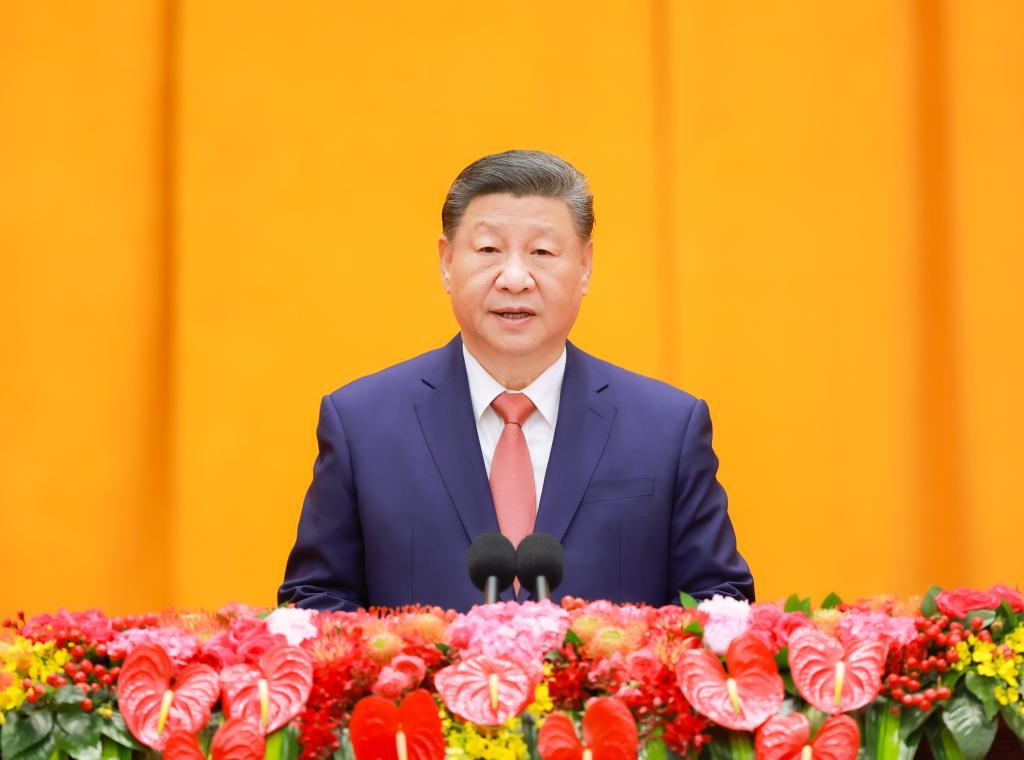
point(509, 427)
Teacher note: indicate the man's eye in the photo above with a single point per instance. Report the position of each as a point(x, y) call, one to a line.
point(543, 252)
point(488, 249)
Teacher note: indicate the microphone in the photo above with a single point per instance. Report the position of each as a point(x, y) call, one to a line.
point(492, 565)
point(540, 564)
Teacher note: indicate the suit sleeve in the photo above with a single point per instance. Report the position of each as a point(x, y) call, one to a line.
point(325, 569)
point(704, 559)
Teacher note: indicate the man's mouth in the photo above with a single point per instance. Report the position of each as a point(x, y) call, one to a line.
point(514, 313)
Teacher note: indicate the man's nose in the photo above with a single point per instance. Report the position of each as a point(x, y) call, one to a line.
point(515, 275)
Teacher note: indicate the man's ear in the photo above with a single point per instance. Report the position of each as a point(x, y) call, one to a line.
point(587, 258)
point(444, 251)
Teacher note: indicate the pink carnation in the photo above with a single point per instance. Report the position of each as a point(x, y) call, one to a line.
point(244, 641)
point(180, 647)
point(727, 619)
point(523, 633)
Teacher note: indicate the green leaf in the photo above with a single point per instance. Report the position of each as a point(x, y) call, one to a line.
point(68, 697)
point(442, 648)
point(1014, 718)
point(657, 750)
point(40, 751)
point(114, 728)
point(572, 638)
point(789, 684)
point(985, 690)
point(792, 603)
point(687, 601)
point(883, 737)
point(831, 601)
point(942, 743)
point(283, 744)
point(111, 750)
point(928, 605)
point(1006, 612)
point(987, 616)
point(694, 627)
point(911, 719)
point(964, 716)
point(23, 730)
point(77, 730)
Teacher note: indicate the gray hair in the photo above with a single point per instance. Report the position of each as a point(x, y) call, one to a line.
point(521, 172)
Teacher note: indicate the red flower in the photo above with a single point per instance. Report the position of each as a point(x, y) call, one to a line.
point(272, 693)
point(381, 731)
point(962, 601)
point(836, 677)
point(788, 737)
point(609, 733)
point(485, 690)
point(743, 699)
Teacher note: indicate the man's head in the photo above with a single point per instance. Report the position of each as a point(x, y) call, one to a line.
point(516, 257)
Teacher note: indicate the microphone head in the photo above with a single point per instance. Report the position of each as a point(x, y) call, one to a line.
point(540, 554)
point(492, 554)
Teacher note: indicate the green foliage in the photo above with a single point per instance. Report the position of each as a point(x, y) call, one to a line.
point(114, 729)
point(795, 604)
point(1014, 719)
point(27, 734)
point(831, 601)
point(928, 605)
point(985, 690)
point(964, 716)
point(687, 601)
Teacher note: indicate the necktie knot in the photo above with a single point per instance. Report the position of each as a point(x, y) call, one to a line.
point(514, 408)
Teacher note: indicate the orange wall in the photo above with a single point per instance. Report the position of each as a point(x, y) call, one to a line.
point(216, 212)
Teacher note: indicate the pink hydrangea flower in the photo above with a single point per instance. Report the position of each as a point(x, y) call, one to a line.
point(522, 633)
point(727, 619)
point(180, 647)
point(295, 624)
point(858, 625)
point(773, 625)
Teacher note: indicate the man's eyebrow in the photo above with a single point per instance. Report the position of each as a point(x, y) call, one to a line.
point(536, 227)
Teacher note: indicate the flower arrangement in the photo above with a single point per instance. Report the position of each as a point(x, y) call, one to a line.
point(577, 681)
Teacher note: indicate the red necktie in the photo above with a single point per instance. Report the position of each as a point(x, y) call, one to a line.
point(515, 497)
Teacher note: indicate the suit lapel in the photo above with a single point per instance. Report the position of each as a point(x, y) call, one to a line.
point(581, 433)
point(446, 417)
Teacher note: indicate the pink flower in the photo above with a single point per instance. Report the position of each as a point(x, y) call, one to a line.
point(295, 624)
point(774, 626)
point(523, 633)
point(958, 603)
point(727, 619)
point(412, 666)
point(93, 625)
point(179, 646)
point(861, 625)
point(643, 665)
point(245, 641)
point(391, 683)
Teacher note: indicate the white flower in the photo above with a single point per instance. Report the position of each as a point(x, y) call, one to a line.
point(294, 624)
point(727, 619)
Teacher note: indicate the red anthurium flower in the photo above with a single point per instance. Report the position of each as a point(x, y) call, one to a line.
point(743, 699)
point(272, 693)
point(609, 733)
point(485, 690)
point(833, 677)
point(183, 746)
point(788, 738)
point(156, 703)
point(381, 731)
point(238, 739)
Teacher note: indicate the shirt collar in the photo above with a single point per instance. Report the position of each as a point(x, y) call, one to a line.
point(544, 392)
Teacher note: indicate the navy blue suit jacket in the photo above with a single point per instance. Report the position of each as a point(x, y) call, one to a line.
point(400, 491)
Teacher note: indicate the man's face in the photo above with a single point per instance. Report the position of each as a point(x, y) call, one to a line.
point(516, 271)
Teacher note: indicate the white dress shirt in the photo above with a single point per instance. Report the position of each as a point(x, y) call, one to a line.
point(539, 428)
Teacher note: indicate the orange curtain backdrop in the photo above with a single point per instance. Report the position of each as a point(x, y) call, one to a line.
point(213, 213)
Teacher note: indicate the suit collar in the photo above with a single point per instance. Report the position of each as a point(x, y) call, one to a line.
point(584, 423)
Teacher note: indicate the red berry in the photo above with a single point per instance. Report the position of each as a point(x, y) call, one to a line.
point(894, 710)
point(87, 666)
point(32, 697)
point(80, 677)
point(898, 694)
point(913, 685)
point(106, 679)
point(86, 705)
point(977, 623)
point(101, 650)
point(943, 692)
point(78, 651)
point(925, 705)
